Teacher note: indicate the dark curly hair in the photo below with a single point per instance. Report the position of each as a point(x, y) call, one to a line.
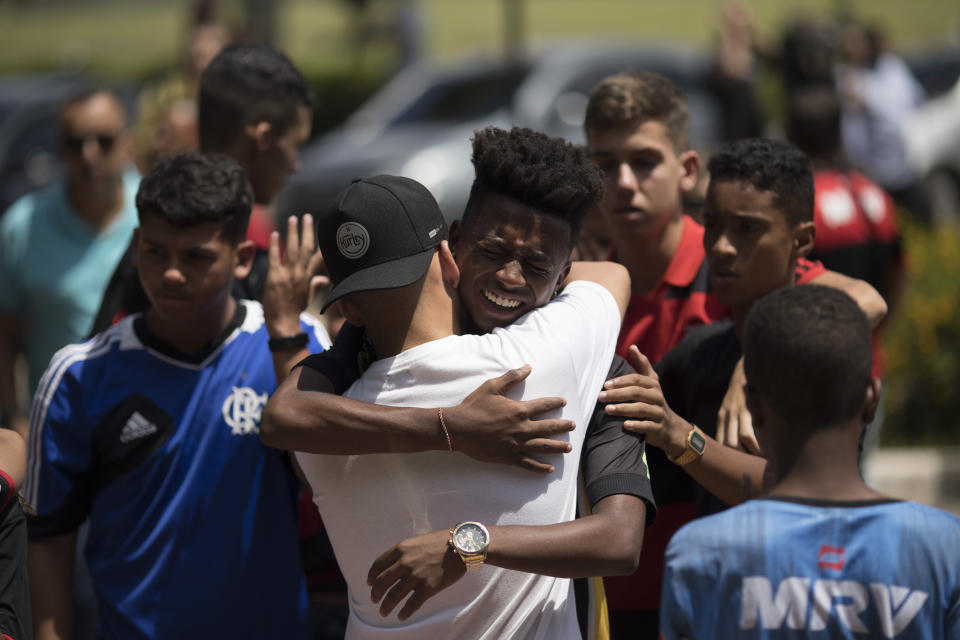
point(769, 165)
point(551, 175)
point(806, 352)
point(245, 84)
point(193, 188)
point(635, 98)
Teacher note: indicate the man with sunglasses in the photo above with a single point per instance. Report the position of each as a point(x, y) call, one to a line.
point(59, 246)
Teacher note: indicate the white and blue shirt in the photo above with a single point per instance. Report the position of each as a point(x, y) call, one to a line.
point(192, 520)
point(777, 568)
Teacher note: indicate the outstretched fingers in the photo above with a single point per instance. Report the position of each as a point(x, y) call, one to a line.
point(273, 251)
point(293, 240)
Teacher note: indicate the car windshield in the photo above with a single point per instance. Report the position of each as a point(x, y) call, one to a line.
point(462, 98)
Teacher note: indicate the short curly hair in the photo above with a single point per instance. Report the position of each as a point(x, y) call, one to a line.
point(632, 98)
point(807, 352)
point(548, 174)
point(769, 165)
point(193, 188)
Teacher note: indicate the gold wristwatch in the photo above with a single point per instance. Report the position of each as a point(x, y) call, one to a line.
point(696, 443)
point(470, 541)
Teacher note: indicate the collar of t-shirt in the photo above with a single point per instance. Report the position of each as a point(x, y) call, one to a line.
point(151, 341)
point(686, 260)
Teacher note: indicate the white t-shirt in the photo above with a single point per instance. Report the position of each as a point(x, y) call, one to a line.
point(371, 502)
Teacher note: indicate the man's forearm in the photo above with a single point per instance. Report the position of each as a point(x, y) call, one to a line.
point(731, 475)
point(303, 416)
point(9, 348)
point(50, 565)
point(605, 543)
point(13, 456)
point(867, 298)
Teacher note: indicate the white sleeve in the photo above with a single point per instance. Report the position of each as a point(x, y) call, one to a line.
point(317, 332)
point(581, 324)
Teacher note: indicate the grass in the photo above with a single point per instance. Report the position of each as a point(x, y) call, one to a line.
point(134, 39)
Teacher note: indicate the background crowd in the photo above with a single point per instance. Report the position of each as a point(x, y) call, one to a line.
point(879, 129)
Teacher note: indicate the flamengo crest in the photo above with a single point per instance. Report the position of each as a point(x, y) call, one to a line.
point(242, 409)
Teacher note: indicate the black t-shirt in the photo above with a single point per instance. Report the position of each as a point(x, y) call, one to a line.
point(613, 459)
point(694, 377)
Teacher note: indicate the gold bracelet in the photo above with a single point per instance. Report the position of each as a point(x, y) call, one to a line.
point(443, 425)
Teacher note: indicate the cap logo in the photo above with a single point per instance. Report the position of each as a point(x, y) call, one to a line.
point(352, 240)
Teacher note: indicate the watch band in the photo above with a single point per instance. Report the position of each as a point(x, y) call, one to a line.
point(696, 443)
point(297, 341)
point(475, 561)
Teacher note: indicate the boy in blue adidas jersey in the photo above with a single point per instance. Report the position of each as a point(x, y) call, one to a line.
point(150, 430)
point(822, 554)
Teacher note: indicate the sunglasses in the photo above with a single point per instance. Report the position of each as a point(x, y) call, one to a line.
point(75, 144)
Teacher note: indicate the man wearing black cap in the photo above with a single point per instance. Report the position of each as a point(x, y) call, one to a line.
point(394, 275)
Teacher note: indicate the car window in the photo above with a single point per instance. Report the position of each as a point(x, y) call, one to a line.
point(460, 99)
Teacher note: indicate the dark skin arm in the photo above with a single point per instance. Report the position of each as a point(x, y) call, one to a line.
point(288, 289)
point(607, 542)
point(50, 566)
point(11, 343)
point(486, 426)
point(732, 475)
point(13, 456)
point(304, 415)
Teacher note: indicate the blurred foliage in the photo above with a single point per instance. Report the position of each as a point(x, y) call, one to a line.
point(923, 343)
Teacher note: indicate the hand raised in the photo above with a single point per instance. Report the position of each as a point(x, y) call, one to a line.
point(490, 427)
point(420, 567)
point(290, 281)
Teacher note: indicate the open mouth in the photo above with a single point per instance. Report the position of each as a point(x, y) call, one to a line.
point(500, 301)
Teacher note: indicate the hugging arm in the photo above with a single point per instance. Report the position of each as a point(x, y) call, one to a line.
point(597, 544)
point(304, 415)
point(618, 487)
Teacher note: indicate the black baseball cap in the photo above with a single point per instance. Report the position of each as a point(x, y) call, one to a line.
point(380, 233)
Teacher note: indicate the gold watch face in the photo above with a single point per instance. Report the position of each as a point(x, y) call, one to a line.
point(470, 537)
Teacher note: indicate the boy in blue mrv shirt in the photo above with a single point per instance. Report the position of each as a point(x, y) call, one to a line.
point(150, 429)
point(821, 555)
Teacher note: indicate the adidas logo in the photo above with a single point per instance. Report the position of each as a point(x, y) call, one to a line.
point(137, 427)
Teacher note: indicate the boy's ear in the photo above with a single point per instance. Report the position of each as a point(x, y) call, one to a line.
point(690, 161)
point(448, 266)
point(244, 255)
point(259, 134)
point(135, 243)
point(804, 235)
point(871, 400)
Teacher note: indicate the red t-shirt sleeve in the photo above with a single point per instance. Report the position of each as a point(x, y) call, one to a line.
point(808, 270)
